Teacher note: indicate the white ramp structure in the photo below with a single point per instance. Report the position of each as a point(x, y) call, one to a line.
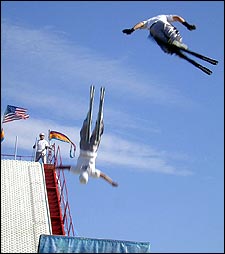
point(24, 206)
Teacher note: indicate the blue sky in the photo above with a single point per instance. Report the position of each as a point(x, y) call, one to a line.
point(164, 119)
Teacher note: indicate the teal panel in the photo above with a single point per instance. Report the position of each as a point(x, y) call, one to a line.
point(66, 244)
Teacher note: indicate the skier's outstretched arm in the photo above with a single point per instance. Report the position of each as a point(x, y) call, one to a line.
point(183, 22)
point(131, 30)
point(67, 167)
point(108, 179)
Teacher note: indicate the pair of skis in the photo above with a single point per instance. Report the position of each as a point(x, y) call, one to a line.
point(178, 51)
point(90, 113)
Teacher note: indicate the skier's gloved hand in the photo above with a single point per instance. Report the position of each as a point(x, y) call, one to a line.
point(114, 184)
point(189, 27)
point(128, 31)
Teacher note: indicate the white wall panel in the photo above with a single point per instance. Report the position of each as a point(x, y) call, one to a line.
point(24, 206)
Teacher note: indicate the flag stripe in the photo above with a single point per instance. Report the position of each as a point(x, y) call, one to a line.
point(2, 135)
point(59, 136)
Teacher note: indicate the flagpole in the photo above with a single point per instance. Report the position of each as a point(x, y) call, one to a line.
point(16, 146)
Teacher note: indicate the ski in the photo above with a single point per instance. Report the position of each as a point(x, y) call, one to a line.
point(100, 113)
point(90, 112)
point(205, 58)
point(199, 66)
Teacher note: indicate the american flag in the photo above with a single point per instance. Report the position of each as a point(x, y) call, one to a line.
point(14, 113)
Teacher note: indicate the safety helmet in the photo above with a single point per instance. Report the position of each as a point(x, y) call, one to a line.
point(41, 134)
point(83, 177)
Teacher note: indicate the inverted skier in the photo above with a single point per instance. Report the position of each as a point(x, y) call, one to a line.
point(89, 144)
point(168, 37)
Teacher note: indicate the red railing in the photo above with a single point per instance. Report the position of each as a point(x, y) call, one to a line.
point(65, 208)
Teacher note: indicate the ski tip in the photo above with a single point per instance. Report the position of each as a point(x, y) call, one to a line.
point(102, 90)
point(206, 70)
point(214, 62)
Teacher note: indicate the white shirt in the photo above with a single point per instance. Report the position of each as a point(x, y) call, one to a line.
point(41, 145)
point(86, 158)
point(164, 18)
